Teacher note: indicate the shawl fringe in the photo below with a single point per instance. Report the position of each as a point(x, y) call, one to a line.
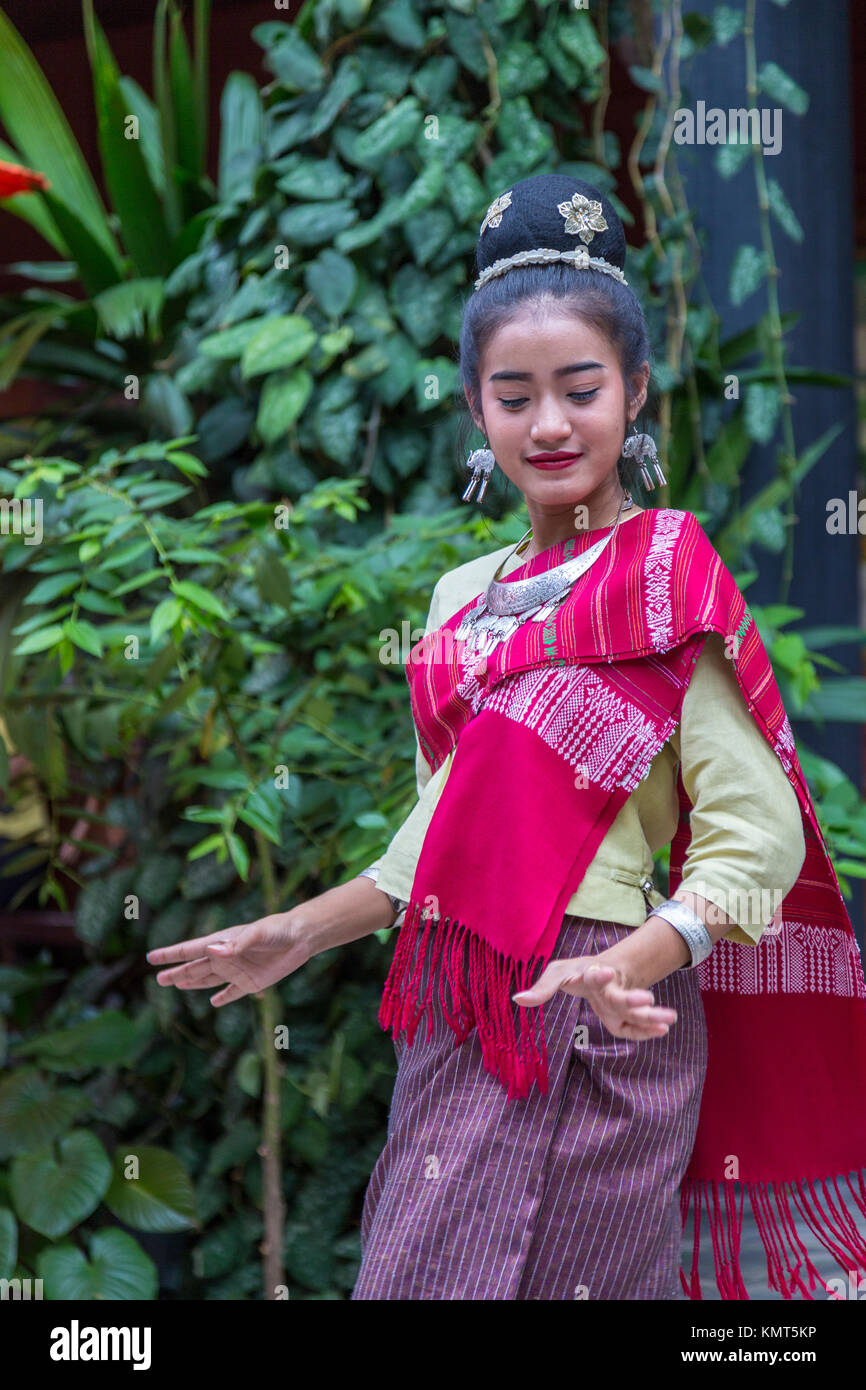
point(787, 1258)
point(515, 1058)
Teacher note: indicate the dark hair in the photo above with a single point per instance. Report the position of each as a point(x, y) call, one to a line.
point(531, 214)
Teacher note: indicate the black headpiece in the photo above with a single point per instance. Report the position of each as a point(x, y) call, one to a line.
point(545, 219)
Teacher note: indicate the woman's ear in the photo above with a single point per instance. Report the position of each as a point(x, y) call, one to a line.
point(476, 416)
point(640, 384)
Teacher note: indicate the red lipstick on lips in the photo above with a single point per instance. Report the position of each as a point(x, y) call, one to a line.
point(558, 460)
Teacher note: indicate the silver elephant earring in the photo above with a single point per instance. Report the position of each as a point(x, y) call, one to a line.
point(641, 447)
point(482, 463)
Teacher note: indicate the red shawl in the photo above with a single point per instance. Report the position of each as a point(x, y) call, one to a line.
point(553, 731)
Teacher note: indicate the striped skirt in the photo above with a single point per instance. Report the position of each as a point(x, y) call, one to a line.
point(572, 1194)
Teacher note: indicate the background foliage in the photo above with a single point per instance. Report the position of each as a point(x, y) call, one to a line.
point(250, 477)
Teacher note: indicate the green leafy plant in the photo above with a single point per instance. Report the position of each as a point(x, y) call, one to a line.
point(229, 661)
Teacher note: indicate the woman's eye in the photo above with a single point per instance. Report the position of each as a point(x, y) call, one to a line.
point(574, 395)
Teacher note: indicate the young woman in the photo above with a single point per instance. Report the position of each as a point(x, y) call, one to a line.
point(581, 701)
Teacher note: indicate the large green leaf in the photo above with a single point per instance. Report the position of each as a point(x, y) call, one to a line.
point(133, 196)
point(333, 279)
point(189, 142)
point(99, 907)
point(241, 126)
point(53, 1196)
point(201, 49)
point(164, 103)
point(38, 128)
point(314, 224)
point(110, 1039)
point(315, 178)
point(165, 406)
point(297, 66)
point(132, 308)
point(281, 342)
point(15, 349)
point(118, 1268)
point(139, 104)
point(158, 1196)
point(33, 1113)
point(283, 398)
point(230, 342)
point(200, 596)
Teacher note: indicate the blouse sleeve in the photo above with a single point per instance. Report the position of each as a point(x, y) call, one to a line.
point(422, 777)
point(747, 844)
point(422, 767)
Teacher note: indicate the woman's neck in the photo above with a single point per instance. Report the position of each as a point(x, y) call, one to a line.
point(529, 550)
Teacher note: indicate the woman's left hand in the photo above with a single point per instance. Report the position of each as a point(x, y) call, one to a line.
point(624, 1011)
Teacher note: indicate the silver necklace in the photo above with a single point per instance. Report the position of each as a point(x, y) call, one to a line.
point(503, 607)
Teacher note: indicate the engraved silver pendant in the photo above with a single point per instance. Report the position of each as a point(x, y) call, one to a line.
point(485, 630)
point(502, 608)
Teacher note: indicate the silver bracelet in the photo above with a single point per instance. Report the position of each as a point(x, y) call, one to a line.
point(399, 904)
point(690, 927)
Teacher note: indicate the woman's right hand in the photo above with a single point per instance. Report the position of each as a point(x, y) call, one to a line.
point(245, 959)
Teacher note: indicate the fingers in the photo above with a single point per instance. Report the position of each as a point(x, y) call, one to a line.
point(652, 1015)
point(192, 949)
point(636, 1006)
point(638, 1022)
point(228, 995)
point(634, 1033)
point(196, 974)
point(567, 975)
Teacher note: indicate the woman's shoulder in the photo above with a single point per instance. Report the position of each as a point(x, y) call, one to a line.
point(456, 587)
point(677, 531)
point(675, 519)
point(480, 570)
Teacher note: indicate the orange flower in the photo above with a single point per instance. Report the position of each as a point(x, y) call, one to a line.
point(14, 178)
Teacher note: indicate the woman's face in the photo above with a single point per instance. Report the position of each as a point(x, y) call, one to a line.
point(531, 405)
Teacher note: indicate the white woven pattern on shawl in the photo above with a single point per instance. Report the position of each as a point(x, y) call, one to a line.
point(799, 959)
point(582, 718)
point(657, 577)
point(786, 748)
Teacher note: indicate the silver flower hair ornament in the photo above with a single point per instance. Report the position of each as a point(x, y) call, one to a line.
point(583, 217)
point(493, 216)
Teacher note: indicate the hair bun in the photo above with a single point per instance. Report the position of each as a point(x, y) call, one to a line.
point(533, 213)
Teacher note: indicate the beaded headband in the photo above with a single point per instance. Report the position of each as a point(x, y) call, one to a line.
point(583, 218)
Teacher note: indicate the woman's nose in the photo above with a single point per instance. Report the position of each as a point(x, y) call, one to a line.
point(550, 427)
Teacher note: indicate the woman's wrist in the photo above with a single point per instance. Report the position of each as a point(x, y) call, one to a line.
point(656, 949)
point(340, 915)
point(648, 954)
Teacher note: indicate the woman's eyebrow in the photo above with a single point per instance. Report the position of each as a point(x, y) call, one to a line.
point(560, 371)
